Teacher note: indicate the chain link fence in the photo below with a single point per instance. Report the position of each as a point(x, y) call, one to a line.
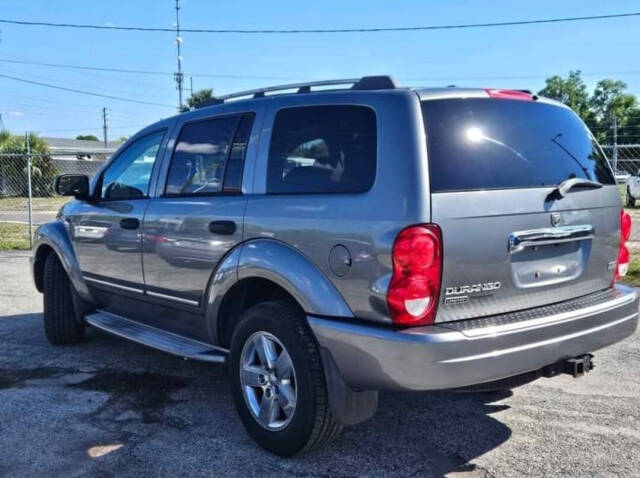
point(624, 158)
point(27, 198)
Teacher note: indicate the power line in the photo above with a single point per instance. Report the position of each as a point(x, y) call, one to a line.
point(69, 83)
point(291, 78)
point(328, 30)
point(145, 72)
point(90, 93)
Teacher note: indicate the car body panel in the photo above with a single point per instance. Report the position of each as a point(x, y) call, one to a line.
point(475, 229)
point(366, 224)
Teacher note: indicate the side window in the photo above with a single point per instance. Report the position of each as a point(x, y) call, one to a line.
point(322, 149)
point(209, 157)
point(128, 176)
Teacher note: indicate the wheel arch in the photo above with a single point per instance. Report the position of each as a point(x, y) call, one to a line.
point(266, 269)
point(53, 237)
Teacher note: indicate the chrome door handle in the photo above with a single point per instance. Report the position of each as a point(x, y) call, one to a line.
point(518, 240)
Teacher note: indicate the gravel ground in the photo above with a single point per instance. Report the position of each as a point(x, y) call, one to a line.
point(108, 407)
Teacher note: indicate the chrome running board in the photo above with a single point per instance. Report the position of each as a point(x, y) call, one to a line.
point(156, 338)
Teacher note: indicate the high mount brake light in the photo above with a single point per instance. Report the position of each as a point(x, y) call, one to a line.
point(624, 258)
point(509, 94)
point(414, 289)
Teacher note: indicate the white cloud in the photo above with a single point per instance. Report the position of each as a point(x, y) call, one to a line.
point(16, 113)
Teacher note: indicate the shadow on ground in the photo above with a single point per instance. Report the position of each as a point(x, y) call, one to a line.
point(174, 416)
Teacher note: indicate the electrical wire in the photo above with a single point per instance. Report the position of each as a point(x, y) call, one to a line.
point(90, 93)
point(143, 72)
point(328, 30)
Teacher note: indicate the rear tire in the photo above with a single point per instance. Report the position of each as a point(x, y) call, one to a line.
point(61, 325)
point(631, 201)
point(311, 423)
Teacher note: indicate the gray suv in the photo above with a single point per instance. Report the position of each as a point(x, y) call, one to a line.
point(330, 240)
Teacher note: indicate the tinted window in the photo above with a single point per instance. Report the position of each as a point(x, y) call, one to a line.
point(322, 149)
point(128, 176)
point(200, 155)
point(493, 144)
point(235, 165)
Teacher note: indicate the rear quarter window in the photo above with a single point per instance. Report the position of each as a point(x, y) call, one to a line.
point(322, 150)
point(479, 143)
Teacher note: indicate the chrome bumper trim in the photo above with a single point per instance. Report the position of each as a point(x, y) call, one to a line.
point(443, 356)
point(499, 353)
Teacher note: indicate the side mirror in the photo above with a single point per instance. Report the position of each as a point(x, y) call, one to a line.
point(72, 185)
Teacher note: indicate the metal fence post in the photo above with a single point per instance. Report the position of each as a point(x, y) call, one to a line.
point(29, 194)
point(615, 145)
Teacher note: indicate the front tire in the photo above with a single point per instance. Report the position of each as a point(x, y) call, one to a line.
point(277, 380)
point(61, 325)
point(631, 201)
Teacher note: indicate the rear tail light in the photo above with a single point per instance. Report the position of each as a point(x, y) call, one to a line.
point(414, 290)
point(509, 94)
point(624, 258)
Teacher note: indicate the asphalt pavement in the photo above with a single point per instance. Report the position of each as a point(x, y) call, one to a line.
point(108, 407)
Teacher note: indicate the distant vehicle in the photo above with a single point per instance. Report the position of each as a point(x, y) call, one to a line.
point(633, 189)
point(622, 178)
point(328, 244)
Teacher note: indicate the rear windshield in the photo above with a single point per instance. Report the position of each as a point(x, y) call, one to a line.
point(479, 143)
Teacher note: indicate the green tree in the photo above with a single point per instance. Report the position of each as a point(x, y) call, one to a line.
point(610, 99)
point(14, 171)
point(88, 137)
point(197, 97)
point(572, 91)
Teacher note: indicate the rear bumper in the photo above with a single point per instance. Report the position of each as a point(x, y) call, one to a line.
point(458, 354)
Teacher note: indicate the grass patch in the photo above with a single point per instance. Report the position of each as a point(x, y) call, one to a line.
point(14, 236)
point(633, 275)
point(39, 204)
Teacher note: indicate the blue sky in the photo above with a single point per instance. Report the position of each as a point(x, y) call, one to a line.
point(519, 56)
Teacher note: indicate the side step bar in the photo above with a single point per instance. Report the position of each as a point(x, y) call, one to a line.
point(156, 338)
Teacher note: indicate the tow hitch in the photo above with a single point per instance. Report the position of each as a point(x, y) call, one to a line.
point(576, 367)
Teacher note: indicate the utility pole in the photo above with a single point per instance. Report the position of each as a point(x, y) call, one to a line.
point(615, 145)
point(2, 128)
point(178, 76)
point(29, 188)
point(104, 125)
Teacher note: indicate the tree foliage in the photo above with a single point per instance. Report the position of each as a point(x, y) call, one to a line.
point(13, 154)
point(609, 99)
point(88, 137)
point(197, 97)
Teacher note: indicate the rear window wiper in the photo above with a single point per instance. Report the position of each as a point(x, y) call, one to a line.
point(565, 186)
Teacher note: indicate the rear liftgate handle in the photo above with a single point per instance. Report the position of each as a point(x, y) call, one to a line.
point(539, 237)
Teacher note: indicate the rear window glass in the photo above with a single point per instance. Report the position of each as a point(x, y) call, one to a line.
point(322, 149)
point(479, 143)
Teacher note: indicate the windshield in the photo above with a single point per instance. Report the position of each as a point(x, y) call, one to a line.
point(479, 143)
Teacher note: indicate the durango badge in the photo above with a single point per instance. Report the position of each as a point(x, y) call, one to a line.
point(472, 289)
point(460, 294)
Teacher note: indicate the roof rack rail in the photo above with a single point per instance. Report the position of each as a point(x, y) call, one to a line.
point(364, 83)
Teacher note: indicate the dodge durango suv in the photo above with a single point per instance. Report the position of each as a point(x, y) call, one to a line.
point(330, 240)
